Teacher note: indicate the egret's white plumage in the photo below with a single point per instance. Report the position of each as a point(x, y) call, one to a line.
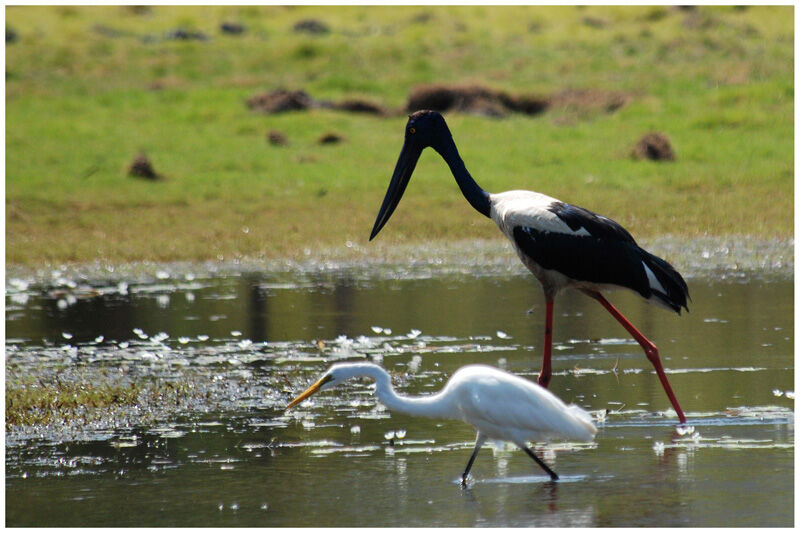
point(506, 407)
point(499, 405)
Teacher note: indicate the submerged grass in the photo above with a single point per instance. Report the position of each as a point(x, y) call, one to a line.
point(39, 404)
point(88, 88)
point(37, 401)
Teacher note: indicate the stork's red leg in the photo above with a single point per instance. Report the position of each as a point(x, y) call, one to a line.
point(544, 375)
point(650, 350)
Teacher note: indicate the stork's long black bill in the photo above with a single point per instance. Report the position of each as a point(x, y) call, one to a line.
point(406, 163)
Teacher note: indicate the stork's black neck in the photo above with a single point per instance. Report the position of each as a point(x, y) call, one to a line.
point(477, 197)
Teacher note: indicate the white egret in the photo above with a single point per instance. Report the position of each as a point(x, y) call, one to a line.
point(499, 405)
point(563, 245)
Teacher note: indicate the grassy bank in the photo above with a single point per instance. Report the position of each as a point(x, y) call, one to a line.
point(87, 89)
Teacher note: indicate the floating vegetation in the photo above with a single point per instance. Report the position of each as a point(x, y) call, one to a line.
point(158, 369)
point(39, 403)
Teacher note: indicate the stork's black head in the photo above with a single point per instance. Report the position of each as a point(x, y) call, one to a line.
point(424, 128)
point(427, 128)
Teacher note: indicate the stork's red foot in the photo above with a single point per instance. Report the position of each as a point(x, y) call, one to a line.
point(544, 380)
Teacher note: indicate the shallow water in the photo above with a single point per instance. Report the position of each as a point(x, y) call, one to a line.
point(226, 453)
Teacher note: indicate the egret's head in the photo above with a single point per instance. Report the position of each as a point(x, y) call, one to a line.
point(335, 375)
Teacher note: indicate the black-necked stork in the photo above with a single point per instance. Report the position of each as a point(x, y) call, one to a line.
point(561, 244)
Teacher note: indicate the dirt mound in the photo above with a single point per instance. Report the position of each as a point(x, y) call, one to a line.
point(277, 138)
point(279, 101)
point(182, 34)
point(589, 100)
point(360, 106)
point(231, 28)
point(312, 26)
point(528, 104)
point(138, 10)
point(330, 138)
point(142, 168)
point(594, 22)
point(475, 99)
point(654, 146)
point(472, 99)
point(282, 100)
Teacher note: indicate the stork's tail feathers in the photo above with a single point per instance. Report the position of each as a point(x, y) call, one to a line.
point(667, 287)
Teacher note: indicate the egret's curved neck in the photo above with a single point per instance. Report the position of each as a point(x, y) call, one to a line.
point(477, 197)
point(433, 406)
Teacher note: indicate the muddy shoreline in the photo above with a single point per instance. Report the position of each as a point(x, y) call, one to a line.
point(738, 257)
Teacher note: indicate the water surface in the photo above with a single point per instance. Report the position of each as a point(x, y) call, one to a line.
point(222, 451)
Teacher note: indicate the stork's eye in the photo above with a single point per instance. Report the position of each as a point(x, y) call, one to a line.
point(412, 130)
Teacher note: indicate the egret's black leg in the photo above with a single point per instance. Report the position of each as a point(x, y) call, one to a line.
point(541, 463)
point(469, 465)
point(478, 443)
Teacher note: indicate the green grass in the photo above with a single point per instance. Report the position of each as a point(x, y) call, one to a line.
point(80, 398)
point(80, 105)
point(38, 404)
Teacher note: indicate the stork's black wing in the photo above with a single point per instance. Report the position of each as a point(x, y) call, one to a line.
point(598, 250)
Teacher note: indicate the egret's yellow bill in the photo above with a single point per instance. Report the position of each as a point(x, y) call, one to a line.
point(309, 391)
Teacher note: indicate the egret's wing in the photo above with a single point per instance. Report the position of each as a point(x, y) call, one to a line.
point(511, 407)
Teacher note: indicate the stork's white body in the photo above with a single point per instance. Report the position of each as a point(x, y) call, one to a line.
point(512, 209)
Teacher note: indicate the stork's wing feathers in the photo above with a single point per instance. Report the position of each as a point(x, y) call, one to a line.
point(598, 250)
point(595, 259)
point(598, 226)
